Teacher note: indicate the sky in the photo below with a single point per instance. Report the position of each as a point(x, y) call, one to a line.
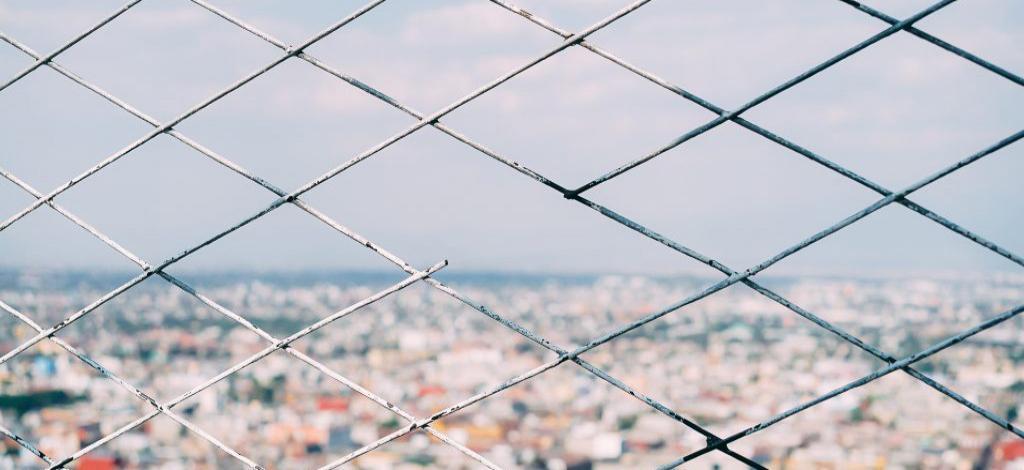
point(900, 110)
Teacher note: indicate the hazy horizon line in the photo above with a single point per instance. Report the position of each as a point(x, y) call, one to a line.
point(880, 274)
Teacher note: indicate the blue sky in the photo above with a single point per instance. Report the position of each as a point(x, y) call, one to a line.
point(894, 113)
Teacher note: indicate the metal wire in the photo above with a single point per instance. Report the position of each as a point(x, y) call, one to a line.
point(924, 354)
point(767, 95)
point(220, 309)
point(827, 163)
point(43, 60)
point(715, 443)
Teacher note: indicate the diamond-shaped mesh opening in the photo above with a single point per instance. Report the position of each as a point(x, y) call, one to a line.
point(493, 40)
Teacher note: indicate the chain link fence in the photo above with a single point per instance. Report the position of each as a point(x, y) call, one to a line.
point(715, 443)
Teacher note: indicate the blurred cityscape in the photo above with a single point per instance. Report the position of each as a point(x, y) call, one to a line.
point(726, 362)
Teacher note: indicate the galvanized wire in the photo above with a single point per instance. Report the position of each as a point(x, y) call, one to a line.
point(129, 387)
point(771, 136)
point(906, 361)
point(414, 424)
point(279, 344)
point(725, 115)
point(939, 42)
point(828, 164)
point(504, 321)
point(290, 196)
point(185, 115)
point(92, 29)
point(222, 310)
point(149, 270)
